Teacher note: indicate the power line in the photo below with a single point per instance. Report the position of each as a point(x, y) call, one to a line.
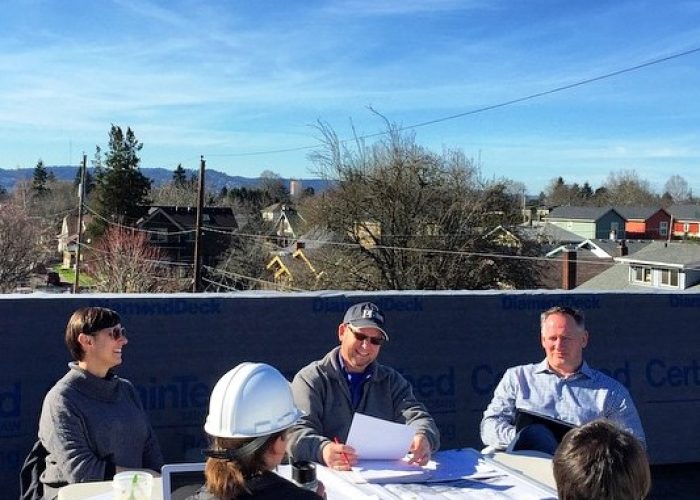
point(250, 278)
point(123, 226)
point(150, 261)
point(358, 246)
point(483, 109)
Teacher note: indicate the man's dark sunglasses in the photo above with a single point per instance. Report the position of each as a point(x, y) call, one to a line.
point(361, 337)
point(116, 333)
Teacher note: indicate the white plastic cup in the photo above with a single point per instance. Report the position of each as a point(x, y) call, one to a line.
point(132, 485)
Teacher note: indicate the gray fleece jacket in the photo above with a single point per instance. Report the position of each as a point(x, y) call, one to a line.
point(322, 393)
point(89, 425)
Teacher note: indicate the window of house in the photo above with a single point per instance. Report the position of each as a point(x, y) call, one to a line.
point(641, 275)
point(158, 234)
point(614, 226)
point(669, 277)
point(686, 227)
point(663, 228)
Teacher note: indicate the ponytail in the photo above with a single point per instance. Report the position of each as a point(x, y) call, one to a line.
point(227, 477)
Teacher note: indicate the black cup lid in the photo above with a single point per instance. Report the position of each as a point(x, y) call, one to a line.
point(303, 472)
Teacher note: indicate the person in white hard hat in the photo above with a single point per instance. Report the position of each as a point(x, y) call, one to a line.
point(250, 410)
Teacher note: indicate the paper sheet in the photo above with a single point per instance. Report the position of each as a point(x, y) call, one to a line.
point(452, 465)
point(390, 471)
point(377, 439)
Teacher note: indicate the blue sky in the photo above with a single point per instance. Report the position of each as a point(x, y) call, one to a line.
point(223, 78)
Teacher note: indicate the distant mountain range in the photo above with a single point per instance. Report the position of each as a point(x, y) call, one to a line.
point(214, 180)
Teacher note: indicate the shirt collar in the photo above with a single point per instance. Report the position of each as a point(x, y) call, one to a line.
point(349, 376)
point(543, 367)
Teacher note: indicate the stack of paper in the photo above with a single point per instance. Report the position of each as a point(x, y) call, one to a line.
point(390, 471)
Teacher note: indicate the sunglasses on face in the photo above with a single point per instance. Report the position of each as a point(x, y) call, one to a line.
point(115, 333)
point(361, 337)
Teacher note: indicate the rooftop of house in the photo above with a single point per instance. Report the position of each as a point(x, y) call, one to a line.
point(549, 232)
point(637, 213)
point(579, 212)
point(656, 253)
point(685, 212)
point(611, 247)
point(186, 217)
point(676, 254)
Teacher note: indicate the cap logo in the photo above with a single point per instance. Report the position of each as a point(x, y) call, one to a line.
point(372, 314)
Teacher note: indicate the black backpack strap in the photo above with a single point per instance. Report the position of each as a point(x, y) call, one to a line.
point(30, 485)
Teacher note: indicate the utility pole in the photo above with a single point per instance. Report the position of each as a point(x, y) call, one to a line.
point(198, 230)
point(81, 193)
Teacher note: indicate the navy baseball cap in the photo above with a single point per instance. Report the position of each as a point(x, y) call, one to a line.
point(366, 315)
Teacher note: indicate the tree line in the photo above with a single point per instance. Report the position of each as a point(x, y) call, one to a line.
point(624, 187)
point(397, 216)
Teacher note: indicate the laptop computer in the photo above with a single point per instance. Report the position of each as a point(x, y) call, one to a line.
point(181, 481)
point(558, 427)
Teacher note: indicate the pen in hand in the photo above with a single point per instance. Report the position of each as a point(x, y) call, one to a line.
point(345, 457)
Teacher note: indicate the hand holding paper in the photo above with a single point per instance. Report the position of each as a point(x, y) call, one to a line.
point(377, 439)
point(420, 450)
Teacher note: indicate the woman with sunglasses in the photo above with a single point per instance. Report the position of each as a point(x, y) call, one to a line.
point(92, 422)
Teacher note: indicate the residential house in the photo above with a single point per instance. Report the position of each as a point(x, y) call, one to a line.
point(645, 223)
point(286, 224)
point(686, 220)
point(549, 235)
point(589, 222)
point(592, 257)
point(659, 266)
point(172, 229)
point(297, 265)
point(290, 268)
point(536, 214)
point(603, 249)
point(272, 212)
point(68, 238)
point(504, 237)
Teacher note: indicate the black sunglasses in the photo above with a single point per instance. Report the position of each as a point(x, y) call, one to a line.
point(115, 333)
point(361, 337)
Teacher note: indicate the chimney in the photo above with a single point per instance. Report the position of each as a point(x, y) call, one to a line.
point(298, 245)
point(622, 249)
point(568, 270)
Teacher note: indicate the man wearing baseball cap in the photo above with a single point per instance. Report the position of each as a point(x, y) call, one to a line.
point(348, 380)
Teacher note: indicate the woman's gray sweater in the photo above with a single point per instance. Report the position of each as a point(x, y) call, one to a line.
point(90, 425)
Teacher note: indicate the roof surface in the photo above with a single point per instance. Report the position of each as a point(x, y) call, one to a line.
point(578, 212)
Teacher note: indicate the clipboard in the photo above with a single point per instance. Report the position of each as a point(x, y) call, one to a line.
point(558, 427)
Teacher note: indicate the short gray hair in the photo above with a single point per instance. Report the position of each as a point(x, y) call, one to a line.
point(574, 314)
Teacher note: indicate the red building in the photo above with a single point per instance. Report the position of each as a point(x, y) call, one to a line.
point(686, 220)
point(645, 223)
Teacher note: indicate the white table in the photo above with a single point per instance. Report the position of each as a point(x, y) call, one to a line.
point(82, 491)
point(524, 469)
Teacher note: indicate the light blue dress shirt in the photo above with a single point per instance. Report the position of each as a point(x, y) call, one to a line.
point(579, 398)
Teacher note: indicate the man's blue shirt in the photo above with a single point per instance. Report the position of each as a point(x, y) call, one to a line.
point(579, 398)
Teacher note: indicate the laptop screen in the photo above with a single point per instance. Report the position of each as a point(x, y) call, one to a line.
point(181, 481)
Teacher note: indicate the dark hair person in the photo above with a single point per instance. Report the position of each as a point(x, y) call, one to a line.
point(601, 461)
point(92, 422)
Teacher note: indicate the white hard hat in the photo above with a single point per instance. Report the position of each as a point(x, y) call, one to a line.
point(253, 399)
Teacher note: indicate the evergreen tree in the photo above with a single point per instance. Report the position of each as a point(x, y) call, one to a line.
point(39, 180)
point(121, 188)
point(180, 176)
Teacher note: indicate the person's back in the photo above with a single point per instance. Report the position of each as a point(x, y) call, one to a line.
point(600, 461)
